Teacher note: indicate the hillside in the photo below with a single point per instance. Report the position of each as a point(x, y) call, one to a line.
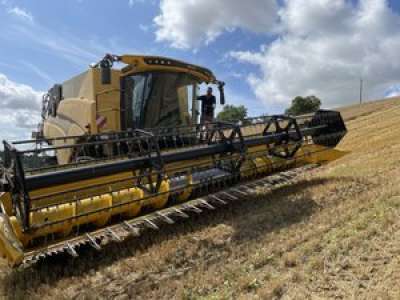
point(336, 234)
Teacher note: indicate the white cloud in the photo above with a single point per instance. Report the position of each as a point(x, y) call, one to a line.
point(302, 17)
point(21, 13)
point(393, 91)
point(20, 107)
point(189, 24)
point(325, 46)
point(18, 96)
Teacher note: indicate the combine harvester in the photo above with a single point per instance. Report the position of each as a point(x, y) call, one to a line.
point(96, 173)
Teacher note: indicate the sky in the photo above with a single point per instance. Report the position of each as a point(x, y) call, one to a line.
point(267, 51)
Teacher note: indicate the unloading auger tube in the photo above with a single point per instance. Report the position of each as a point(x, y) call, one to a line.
point(48, 206)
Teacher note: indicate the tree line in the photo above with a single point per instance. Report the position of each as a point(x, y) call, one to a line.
point(299, 106)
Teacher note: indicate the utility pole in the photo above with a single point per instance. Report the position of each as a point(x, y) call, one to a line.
point(361, 90)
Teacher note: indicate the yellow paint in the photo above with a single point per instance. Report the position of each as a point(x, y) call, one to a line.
point(248, 169)
point(87, 211)
point(319, 154)
point(160, 201)
point(185, 194)
point(5, 200)
point(86, 99)
point(138, 65)
point(10, 246)
point(126, 196)
point(89, 205)
point(87, 188)
point(263, 164)
point(121, 195)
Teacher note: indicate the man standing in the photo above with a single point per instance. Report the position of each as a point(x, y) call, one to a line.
point(208, 104)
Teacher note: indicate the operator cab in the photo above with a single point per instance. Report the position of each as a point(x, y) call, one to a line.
point(156, 99)
point(158, 92)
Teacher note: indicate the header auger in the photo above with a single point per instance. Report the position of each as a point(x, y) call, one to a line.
point(60, 191)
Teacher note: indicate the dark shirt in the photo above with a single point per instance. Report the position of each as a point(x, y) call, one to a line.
point(207, 105)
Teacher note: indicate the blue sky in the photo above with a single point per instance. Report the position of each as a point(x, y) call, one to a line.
point(99, 27)
point(266, 51)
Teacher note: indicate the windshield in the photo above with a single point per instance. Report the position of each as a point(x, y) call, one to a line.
point(157, 99)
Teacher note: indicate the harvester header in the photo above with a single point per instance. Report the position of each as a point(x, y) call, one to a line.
point(59, 191)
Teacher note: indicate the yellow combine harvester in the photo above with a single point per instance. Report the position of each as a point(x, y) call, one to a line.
point(120, 150)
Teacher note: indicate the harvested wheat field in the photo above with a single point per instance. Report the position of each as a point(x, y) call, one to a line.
point(334, 234)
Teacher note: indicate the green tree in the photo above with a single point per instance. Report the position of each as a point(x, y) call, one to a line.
point(232, 113)
point(303, 105)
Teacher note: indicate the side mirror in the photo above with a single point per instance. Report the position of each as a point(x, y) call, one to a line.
point(105, 71)
point(221, 93)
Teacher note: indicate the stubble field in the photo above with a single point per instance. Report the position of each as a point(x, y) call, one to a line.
point(334, 234)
